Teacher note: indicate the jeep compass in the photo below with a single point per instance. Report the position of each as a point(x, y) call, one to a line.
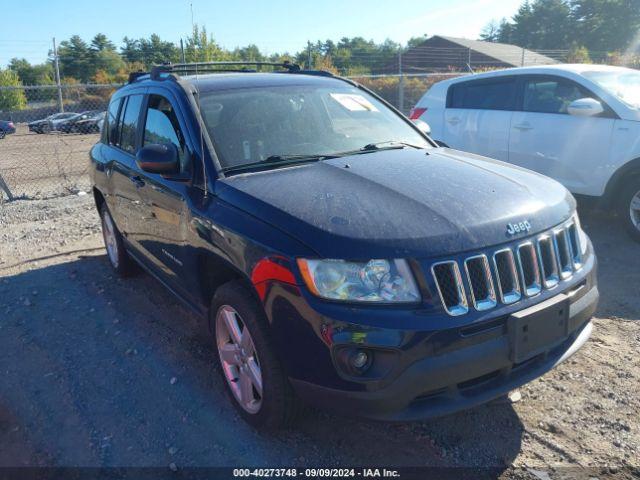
point(341, 258)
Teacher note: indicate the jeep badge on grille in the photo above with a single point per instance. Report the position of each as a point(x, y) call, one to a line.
point(520, 227)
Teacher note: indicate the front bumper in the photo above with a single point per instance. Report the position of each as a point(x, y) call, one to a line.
point(459, 379)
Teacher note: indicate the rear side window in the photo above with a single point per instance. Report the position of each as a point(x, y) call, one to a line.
point(110, 129)
point(551, 95)
point(129, 123)
point(162, 126)
point(496, 94)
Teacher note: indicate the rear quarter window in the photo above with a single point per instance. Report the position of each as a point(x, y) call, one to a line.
point(498, 94)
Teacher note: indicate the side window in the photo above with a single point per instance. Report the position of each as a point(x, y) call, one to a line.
point(495, 94)
point(551, 95)
point(110, 130)
point(129, 123)
point(162, 126)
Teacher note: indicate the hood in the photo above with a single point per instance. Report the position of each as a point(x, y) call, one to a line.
point(400, 203)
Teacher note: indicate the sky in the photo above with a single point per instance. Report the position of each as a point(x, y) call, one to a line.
point(274, 25)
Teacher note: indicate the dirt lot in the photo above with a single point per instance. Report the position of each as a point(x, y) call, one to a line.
point(97, 371)
point(46, 165)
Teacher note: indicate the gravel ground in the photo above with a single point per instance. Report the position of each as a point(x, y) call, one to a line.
point(98, 371)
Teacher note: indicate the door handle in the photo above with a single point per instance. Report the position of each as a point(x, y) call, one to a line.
point(137, 181)
point(523, 126)
point(453, 121)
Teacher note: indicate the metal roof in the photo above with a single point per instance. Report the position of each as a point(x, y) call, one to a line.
point(503, 52)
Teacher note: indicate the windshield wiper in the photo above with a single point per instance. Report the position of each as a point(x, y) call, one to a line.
point(276, 160)
point(391, 144)
point(376, 147)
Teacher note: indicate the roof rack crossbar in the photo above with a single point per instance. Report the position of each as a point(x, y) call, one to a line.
point(210, 67)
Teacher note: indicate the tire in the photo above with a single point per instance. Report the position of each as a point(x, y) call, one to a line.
point(117, 255)
point(2, 134)
point(629, 207)
point(274, 405)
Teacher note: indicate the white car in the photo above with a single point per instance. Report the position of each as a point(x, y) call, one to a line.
point(578, 124)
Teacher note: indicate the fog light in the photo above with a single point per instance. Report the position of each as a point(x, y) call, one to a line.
point(359, 359)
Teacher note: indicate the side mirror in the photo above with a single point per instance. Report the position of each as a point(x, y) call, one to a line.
point(159, 158)
point(585, 107)
point(422, 126)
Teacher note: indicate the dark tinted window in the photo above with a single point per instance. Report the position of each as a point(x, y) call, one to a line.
point(550, 95)
point(129, 123)
point(162, 126)
point(110, 130)
point(484, 95)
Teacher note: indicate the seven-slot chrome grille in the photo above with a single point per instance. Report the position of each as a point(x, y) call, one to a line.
point(508, 274)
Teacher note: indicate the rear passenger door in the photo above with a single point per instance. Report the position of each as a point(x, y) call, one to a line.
point(478, 116)
point(547, 139)
point(123, 198)
point(126, 146)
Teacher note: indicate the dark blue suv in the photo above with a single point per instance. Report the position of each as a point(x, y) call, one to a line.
point(339, 255)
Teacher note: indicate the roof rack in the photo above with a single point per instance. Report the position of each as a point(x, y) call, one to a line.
point(214, 67)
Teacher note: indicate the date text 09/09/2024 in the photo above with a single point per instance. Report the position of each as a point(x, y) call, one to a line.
point(316, 472)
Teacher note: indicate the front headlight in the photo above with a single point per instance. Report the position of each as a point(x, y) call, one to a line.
point(381, 281)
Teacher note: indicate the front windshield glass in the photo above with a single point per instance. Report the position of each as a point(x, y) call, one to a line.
point(250, 125)
point(624, 84)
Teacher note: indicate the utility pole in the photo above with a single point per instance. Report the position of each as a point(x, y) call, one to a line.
point(522, 61)
point(308, 55)
point(400, 82)
point(57, 67)
point(182, 51)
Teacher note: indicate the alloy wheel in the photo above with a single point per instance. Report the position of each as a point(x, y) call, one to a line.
point(239, 359)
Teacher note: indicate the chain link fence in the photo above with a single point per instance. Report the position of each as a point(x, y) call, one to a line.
point(44, 149)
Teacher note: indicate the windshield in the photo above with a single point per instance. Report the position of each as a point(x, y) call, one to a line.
point(623, 83)
point(251, 125)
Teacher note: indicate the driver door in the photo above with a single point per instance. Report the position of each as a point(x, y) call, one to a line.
point(165, 201)
point(545, 138)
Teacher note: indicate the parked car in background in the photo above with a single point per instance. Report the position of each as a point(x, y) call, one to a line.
point(6, 127)
point(85, 122)
point(338, 255)
point(50, 123)
point(578, 124)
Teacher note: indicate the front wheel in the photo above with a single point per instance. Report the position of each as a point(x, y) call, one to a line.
point(629, 208)
point(254, 377)
point(2, 134)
